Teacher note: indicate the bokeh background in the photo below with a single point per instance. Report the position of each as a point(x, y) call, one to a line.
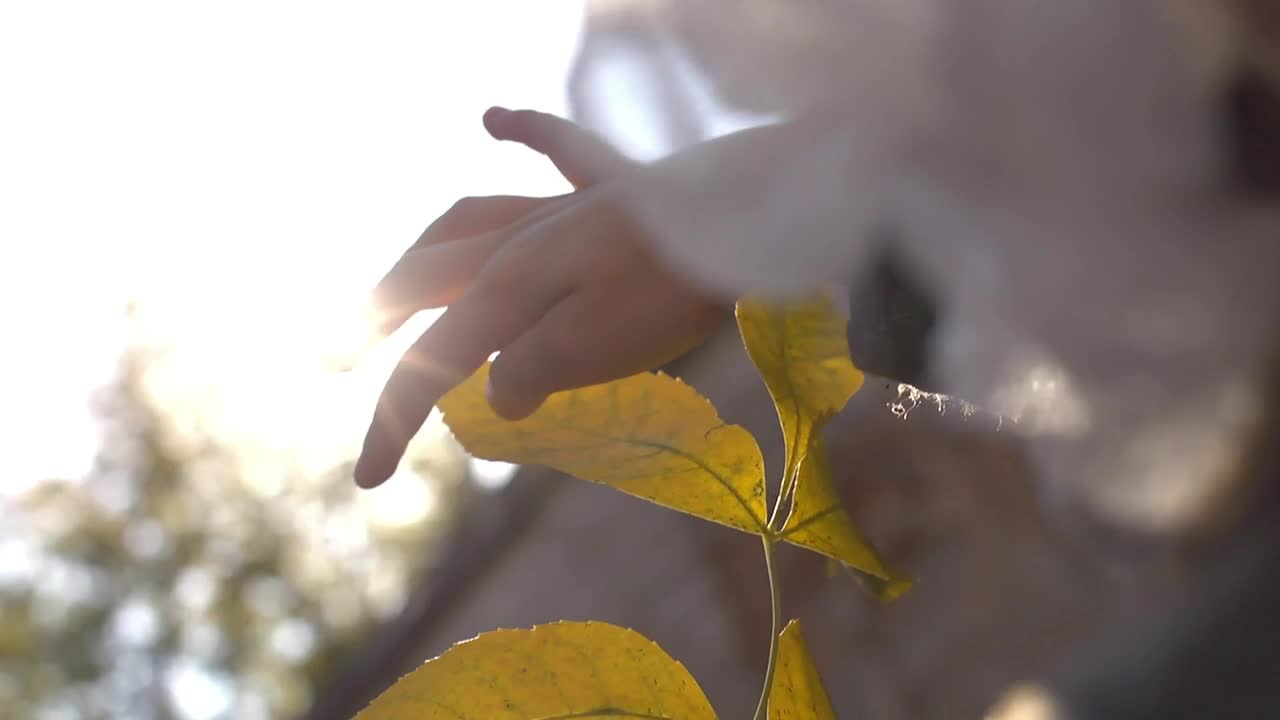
point(194, 201)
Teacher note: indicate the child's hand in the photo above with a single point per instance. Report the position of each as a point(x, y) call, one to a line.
point(586, 303)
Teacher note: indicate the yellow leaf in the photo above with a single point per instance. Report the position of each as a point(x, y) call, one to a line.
point(818, 521)
point(562, 670)
point(649, 435)
point(802, 352)
point(797, 692)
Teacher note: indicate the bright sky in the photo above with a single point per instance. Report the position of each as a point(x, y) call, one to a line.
point(245, 171)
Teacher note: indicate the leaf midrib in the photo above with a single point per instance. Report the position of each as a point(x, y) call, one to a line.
point(792, 463)
point(661, 447)
point(746, 507)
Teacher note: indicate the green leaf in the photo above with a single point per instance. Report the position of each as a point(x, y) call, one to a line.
point(819, 522)
point(558, 671)
point(797, 692)
point(802, 353)
point(649, 435)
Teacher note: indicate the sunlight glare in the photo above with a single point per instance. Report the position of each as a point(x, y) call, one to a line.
point(405, 499)
point(245, 202)
point(210, 192)
point(1025, 702)
point(491, 475)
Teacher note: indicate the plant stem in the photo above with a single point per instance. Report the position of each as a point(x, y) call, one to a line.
point(775, 602)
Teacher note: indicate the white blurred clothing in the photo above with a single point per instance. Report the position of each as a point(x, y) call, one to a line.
point(1054, 171)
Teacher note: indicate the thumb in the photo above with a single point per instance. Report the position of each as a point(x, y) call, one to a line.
point(582, 156)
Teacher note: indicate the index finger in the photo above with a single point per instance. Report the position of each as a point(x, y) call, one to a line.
point(505, 301)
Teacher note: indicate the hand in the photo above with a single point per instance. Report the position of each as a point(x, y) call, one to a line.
point(564, 288)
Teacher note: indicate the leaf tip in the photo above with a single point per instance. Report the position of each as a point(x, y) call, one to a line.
point(886, 589)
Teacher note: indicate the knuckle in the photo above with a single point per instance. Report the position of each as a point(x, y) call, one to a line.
point(467, 205)
point(554, 350)
point(459, 214)
point(497, 288)
point(541, 363)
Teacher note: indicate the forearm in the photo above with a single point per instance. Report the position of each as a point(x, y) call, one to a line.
point(777, 208)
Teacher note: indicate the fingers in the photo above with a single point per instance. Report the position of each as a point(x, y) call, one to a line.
point(583, 157)
point(444, 260)
point(498, 285)
point(596, 336)
point(473, 215)
point(502, 303)
point(431, 276)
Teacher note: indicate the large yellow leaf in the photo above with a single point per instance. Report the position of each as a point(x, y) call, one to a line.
point(649, 435)
point(802, 352)
point(797, 692)
point(818, 521)
point(562, 670)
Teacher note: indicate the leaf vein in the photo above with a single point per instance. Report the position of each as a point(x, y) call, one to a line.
point(810, 520)
point(706, 468)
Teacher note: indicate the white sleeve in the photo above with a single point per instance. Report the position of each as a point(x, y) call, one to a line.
point(775, 209)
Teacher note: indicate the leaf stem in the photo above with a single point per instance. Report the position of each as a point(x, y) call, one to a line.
point(775, 602)
point(784, 494)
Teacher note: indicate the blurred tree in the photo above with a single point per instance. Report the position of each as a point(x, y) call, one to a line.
point(165, 586)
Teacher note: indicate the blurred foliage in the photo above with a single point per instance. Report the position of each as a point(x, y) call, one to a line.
point(165, 586)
